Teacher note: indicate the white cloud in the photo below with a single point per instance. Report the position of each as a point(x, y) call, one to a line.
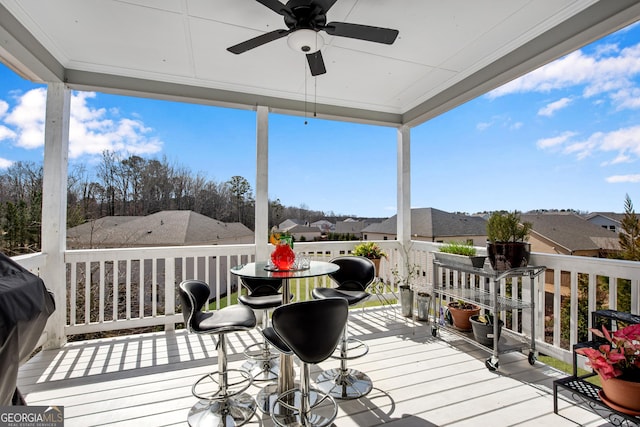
point(616, 179)
point(4, 163)
point(552, 107)
point(4, 107)
point(483, 125)
point(91, 130)
point(609, 70)
point(623, 143)
point(6, 133)
point(555, 141)
point(27, 117)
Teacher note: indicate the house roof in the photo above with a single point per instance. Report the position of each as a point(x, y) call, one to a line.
point(303, 229)
point(165, 228)
point(612, 216)
point(572, 231)
point(447, 52)
point(431, 223)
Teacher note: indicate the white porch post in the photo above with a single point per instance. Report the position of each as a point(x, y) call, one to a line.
point(404, 185)
point(262, 184)
point(54, 207)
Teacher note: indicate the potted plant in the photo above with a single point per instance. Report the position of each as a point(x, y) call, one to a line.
point(483, 328)
point(618, 363)
point(404, 278)
point(461, 311)
point(370, 250)
point(507, 237)
point(460, 253)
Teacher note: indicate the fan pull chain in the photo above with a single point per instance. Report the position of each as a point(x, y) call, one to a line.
point(305, 91)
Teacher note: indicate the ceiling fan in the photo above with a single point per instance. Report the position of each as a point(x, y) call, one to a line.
point(304, 19)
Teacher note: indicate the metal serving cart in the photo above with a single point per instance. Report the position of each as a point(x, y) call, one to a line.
point(483, 287)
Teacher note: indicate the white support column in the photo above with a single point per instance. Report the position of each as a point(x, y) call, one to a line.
point(404, 185)
point(54, 207)
point(262, 184)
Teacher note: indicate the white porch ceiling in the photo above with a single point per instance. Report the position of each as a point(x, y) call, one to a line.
point(447, 52)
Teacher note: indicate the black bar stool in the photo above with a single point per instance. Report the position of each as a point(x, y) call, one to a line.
point(311, 330)
point(264, 294)
point(223, 407)
point(354, 276)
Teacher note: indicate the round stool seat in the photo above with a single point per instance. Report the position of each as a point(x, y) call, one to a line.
point(352, 297)
point(261, 302)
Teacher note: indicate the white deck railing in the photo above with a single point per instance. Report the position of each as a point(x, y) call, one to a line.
point(147, 278)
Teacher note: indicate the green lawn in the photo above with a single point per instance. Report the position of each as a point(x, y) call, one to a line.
point(566, 367)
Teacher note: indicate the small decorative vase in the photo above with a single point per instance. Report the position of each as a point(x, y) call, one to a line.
point(283, 256)
point(623, 396)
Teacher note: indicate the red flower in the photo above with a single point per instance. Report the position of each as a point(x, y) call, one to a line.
point(620, 356)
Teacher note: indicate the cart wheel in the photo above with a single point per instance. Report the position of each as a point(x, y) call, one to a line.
point(532, 358)
point(434, 331)
point(491, 365)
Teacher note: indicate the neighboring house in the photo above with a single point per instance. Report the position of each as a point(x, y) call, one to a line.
point(303, 233)
point(608, 220)
point(433, 225)
point(350, 226)
point(324, 226)
point(165, 228)
point(570, 234)
point(288, 223)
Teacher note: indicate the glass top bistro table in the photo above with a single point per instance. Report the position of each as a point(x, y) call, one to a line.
point(261, 270)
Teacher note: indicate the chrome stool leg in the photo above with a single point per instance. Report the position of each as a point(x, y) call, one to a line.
point(223, 407)
point(262, 364)
point(343, 382)
point(304, 406)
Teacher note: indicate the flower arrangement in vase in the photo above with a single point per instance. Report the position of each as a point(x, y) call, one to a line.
point(283, 257)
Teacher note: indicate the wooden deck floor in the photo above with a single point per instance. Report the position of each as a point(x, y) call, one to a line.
point(419, 380)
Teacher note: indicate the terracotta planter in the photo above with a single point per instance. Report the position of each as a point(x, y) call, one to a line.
point(376, 263)
point(622, 395)
point(461, 316)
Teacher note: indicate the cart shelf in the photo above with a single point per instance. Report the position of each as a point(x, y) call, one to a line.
point(485, 293)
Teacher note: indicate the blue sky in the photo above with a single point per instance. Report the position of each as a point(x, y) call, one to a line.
point(566, 136)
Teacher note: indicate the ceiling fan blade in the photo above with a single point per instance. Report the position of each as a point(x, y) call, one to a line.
point(361, 32)
point(276, 6)
point(326, 4)
point(258, 41)
point(316, 64)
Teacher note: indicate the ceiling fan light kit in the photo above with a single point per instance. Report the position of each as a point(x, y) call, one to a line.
point(304, 18)
point(305, 41)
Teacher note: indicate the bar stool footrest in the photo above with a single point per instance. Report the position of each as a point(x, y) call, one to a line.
point(321, 412)
point(245, 380)
point(355, 350)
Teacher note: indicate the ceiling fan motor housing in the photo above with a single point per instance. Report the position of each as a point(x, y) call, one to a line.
point(306, 14)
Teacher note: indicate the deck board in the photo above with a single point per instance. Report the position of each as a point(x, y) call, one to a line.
point(419, 380)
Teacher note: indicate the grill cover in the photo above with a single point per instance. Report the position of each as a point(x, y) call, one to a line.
point(25, 306)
